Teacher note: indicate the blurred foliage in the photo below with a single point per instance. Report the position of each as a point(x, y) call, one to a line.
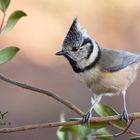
point(8, 53)
point(135, 138)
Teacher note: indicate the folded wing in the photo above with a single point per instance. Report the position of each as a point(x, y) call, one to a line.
point(115, 60)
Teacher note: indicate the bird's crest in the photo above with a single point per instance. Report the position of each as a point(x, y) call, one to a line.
point(75, 34)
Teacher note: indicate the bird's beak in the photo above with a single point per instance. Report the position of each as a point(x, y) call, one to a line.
point(60, 53)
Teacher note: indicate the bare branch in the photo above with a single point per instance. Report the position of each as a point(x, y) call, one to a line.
point(133, 116)
point(1, 25)
point(128, 131)
point(114, 135)
point(45, 92)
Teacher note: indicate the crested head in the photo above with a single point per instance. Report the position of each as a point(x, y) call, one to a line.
point(79, 48)
point(75, 35)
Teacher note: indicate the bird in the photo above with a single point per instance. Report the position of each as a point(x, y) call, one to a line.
point(106, 72)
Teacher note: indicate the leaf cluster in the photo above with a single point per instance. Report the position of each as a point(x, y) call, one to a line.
point(8, 53)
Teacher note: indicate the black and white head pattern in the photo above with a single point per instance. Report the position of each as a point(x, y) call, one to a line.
point(79, 48)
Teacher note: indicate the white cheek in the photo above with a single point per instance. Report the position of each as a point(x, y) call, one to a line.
point(91, 59)
point(93, 54)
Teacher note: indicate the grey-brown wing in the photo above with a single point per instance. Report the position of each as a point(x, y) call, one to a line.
point(115, 60)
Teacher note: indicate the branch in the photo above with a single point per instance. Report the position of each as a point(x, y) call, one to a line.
point(114, 135)
point(67, 103)
point(1, 25)
point(45, 92)
point(133, 116)
point(128, 131)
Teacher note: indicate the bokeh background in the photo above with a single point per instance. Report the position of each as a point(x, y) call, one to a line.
point(114, 24)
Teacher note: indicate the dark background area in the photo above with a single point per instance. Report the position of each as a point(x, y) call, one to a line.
point(114, 24)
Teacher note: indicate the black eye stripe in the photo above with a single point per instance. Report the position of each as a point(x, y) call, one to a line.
point(87, 40)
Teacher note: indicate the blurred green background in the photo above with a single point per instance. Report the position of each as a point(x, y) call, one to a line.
point(114, 24)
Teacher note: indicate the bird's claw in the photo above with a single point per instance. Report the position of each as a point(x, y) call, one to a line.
point(86, 117)
point(124, 115)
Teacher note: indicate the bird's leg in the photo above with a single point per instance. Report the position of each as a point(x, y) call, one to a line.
point(88, 115)
point(124, 114)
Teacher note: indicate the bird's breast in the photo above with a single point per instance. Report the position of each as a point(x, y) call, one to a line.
point(100, 81)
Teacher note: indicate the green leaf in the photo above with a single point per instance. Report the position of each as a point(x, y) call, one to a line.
point(7, 54)
point(104, 110)
point(76, 130)
point(60, 134)
point(63, 135)
point(79, 131)
point(12, 20)
point(103, 131)
point(135, 138)
point(99, 125)
point(89, 132)
point(4, 4)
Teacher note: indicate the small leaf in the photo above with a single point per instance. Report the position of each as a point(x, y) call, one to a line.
point(12, 20)
point(89, 132)
point(103, 131)
point(99, 125)
point(4, 4)
point(104, 110)
point(7, 54)
point(62, 135)
point(135, 138)
point(76, 130)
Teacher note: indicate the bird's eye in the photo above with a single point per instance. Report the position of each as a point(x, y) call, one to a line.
point(74, 49)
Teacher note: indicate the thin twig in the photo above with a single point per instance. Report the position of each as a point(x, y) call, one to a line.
point(63, 101)
point(128, 131)
point(115, 135)
point(45, 92)
point(38, 126)
point(94, 120)
point(133, 133)
point(125, 130)
point(2, 22)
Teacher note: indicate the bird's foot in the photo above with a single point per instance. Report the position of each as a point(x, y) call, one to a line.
point(87, 117)
point(124, 115)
